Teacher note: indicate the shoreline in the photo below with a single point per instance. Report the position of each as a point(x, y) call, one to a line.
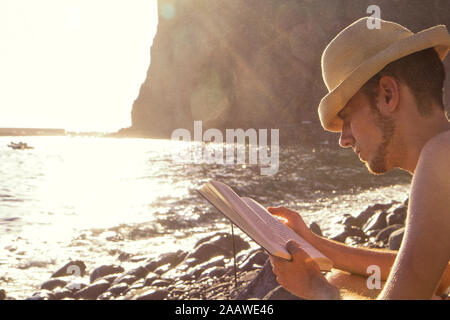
point(207, 270)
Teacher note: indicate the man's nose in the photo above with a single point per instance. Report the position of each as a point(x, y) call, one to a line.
point(346, 139)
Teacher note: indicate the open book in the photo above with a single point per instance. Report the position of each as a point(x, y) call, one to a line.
point(258, 223)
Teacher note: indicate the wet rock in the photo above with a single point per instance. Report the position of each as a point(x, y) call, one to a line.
point(150, 278)
point(213, 272)
point(118, 289)
point(105, 270)
point(137, 285)
point(139, 272)
point(376, 222)
point(2, 294)
point(353, 231)
point(353, 241)
point(340, 237)
point(106, 296)
point(384, 234)
point(42, 295)
point(261, 285)
point(93, 291)
point(370, 211)
point(398, 216)
point(162, 269)
point(152, 294)
point(161, 283)
point(257, 258)
point(279, 293)
point(76, 267)
point(171, 258)
point(53, 283)
point(62, 293)
point(350, 221)
point(127, 278)
point(110, 278)
point(395, 239)
point(75, 286)
point(314, 227)
point(219, 245)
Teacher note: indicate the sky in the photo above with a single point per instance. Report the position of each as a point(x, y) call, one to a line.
point(73, 64)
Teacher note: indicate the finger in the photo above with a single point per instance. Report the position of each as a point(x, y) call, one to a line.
point(283, 212)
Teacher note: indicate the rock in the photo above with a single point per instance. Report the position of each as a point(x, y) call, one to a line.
point(213, 272)
point(140, 272)
point(279, 293)
point(105, 296)
point(221, 244)
point(314, 227)
point(42, 295)
point(76, 267)
point(395, 239)
point(162, 269)
point(105, 270)
point(398, 216)
point(353, 241)
point(171, 258)
point(376, 222)
point(53, 283)
point(370, 211)
point(153, 294)
point(2, 294)
point(350, 221)
point(161, 283)
point(132, 275)
point(340, 237)
point(62, 293)
point(75, 286)
point(93, 291)
point(353, 231)
point(150, 278)
point(384, 234)
point(110, 278)
point(257, 258)
point(261, 285)
point(118, 289)
point(126, 278)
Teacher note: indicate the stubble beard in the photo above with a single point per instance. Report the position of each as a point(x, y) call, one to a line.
point(378, 164)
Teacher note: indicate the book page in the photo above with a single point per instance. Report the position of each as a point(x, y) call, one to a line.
point(258, 223)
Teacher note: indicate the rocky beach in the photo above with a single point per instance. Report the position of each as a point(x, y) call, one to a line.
point(207, 271)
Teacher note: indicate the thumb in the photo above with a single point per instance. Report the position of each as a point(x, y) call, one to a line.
point(296, 251)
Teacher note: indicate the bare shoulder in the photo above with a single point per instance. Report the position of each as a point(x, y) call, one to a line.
point(435, 155)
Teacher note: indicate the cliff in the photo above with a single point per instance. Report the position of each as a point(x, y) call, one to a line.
point(251, 63)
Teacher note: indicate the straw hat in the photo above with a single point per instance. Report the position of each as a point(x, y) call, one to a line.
point(357, 53)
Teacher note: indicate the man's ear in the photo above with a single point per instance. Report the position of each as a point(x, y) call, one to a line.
point(389, 94)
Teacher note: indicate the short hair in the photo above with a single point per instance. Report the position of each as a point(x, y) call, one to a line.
point(423, 72)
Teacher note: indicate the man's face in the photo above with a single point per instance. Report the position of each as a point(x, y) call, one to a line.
point(368, 132)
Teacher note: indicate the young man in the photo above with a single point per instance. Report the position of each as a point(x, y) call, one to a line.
point(386, 100)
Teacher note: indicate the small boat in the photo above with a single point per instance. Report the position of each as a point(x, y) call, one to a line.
point(19, 146)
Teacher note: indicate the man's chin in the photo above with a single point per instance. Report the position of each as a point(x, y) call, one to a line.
point(376, 168)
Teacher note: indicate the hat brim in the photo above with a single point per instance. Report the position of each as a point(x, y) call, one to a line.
point(436, 37)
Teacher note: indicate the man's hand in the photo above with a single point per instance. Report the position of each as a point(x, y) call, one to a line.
point(301, 275)
point(294, 221)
